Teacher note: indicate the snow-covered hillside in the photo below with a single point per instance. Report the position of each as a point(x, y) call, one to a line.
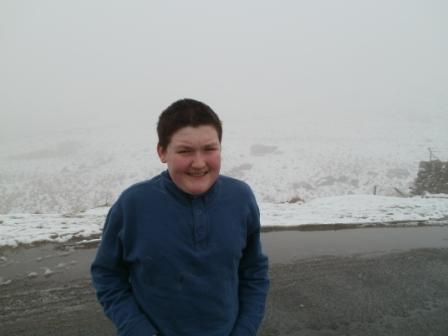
point(77, 169)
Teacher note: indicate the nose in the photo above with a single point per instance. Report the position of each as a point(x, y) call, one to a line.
point(198, 161)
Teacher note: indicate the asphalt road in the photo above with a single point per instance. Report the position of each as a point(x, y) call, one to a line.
point(372, 292)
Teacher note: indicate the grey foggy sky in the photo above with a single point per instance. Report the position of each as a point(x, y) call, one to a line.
point(71, 63)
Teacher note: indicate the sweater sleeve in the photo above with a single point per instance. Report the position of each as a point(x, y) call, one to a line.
point(253, 279)
point(110, 276)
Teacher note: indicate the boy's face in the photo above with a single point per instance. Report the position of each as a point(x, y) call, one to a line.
point(193, 157)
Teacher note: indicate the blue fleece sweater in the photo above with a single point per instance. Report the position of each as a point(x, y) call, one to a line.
point(177, 265)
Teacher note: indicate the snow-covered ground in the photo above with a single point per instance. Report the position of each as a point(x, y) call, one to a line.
point(18, 229)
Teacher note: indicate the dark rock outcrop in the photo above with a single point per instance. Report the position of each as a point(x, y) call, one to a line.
point(432, 177)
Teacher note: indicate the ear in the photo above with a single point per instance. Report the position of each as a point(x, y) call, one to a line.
point(162, 153)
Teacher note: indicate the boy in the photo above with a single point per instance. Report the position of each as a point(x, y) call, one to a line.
point(180, 254)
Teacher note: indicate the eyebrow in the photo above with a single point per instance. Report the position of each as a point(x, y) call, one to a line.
point(212, 144)
point(188, 146)
point(182, 147)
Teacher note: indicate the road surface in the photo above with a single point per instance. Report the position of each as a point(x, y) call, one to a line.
point(348, 282)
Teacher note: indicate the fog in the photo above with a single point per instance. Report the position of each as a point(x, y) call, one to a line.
point(78, 64)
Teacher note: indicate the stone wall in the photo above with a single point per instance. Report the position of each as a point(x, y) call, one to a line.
point(432, 177)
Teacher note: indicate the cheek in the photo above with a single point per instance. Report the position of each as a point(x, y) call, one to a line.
point(215, 161)
point(179, 164)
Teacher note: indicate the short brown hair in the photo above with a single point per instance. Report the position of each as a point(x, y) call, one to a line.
point(182, 113)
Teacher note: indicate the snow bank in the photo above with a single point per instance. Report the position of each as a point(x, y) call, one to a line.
point(18, 229)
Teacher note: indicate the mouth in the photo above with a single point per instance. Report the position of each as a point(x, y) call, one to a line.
point(197, 174)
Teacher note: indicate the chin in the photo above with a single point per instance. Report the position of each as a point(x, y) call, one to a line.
point(196, 185)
